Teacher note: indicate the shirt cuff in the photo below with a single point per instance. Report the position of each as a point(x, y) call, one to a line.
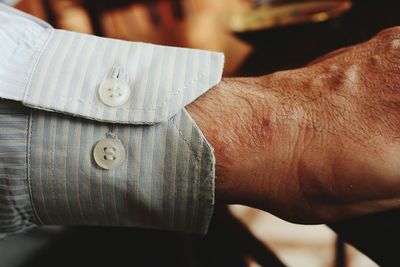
point(109, 139)
point(73, 68)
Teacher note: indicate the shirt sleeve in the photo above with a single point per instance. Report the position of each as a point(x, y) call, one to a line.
point(93, 131)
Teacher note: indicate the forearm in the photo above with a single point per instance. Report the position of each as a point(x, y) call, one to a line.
point(229, 116)
point(303, 144)
point(257, 127)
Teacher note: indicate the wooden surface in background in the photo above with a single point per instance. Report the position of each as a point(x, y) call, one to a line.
point(33, 7)
point(203, 24)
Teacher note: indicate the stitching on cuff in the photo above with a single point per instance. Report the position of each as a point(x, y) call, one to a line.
point(164, 117)
point(37, 54)
point(211, 179)
point(207, 214)
point(208, 180)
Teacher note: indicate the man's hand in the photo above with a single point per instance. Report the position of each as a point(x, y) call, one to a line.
point(311, 145)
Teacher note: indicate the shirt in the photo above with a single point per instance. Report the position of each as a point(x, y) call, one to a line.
point(93, 131)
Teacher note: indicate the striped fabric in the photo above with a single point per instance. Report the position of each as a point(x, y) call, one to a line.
point(163, 79)
point(15, 204)
point(20, 47)
point(167, 180)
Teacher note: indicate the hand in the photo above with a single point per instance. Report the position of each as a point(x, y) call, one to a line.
point(311, 145)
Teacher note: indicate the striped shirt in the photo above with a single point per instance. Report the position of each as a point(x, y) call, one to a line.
point(93, 131)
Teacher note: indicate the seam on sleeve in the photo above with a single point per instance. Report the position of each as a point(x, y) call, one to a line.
point(211, 179)
point(187, 143)
point(157, 107)
point(124, 109)
point(208, 179)
point(52, 193)
point(28, 167)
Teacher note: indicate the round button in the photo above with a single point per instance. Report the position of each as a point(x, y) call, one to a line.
point(109, 153)
point(114, 92)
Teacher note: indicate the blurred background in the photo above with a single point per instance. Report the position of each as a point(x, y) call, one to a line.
point(257, 37)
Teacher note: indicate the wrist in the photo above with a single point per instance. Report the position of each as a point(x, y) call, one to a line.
point(226, 116)
point(254, 130)
point(263, 132)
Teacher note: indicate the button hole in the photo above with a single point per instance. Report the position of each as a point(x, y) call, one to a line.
point(115, 72)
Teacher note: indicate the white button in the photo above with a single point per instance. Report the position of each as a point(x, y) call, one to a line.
point(114, 92)
point(109, 153)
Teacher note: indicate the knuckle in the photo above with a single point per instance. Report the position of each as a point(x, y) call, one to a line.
point(390, 34)
point(386, 46)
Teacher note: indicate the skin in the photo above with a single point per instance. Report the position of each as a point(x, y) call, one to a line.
point(311, 145)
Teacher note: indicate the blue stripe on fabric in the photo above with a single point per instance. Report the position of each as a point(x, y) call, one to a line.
point(58, 172)
point(12, 180)
point(15, 207)
point(83, 171)
point(69, 188)
point(13, 136)
point(66, 63)
point(88, 74)
point(154, 195)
